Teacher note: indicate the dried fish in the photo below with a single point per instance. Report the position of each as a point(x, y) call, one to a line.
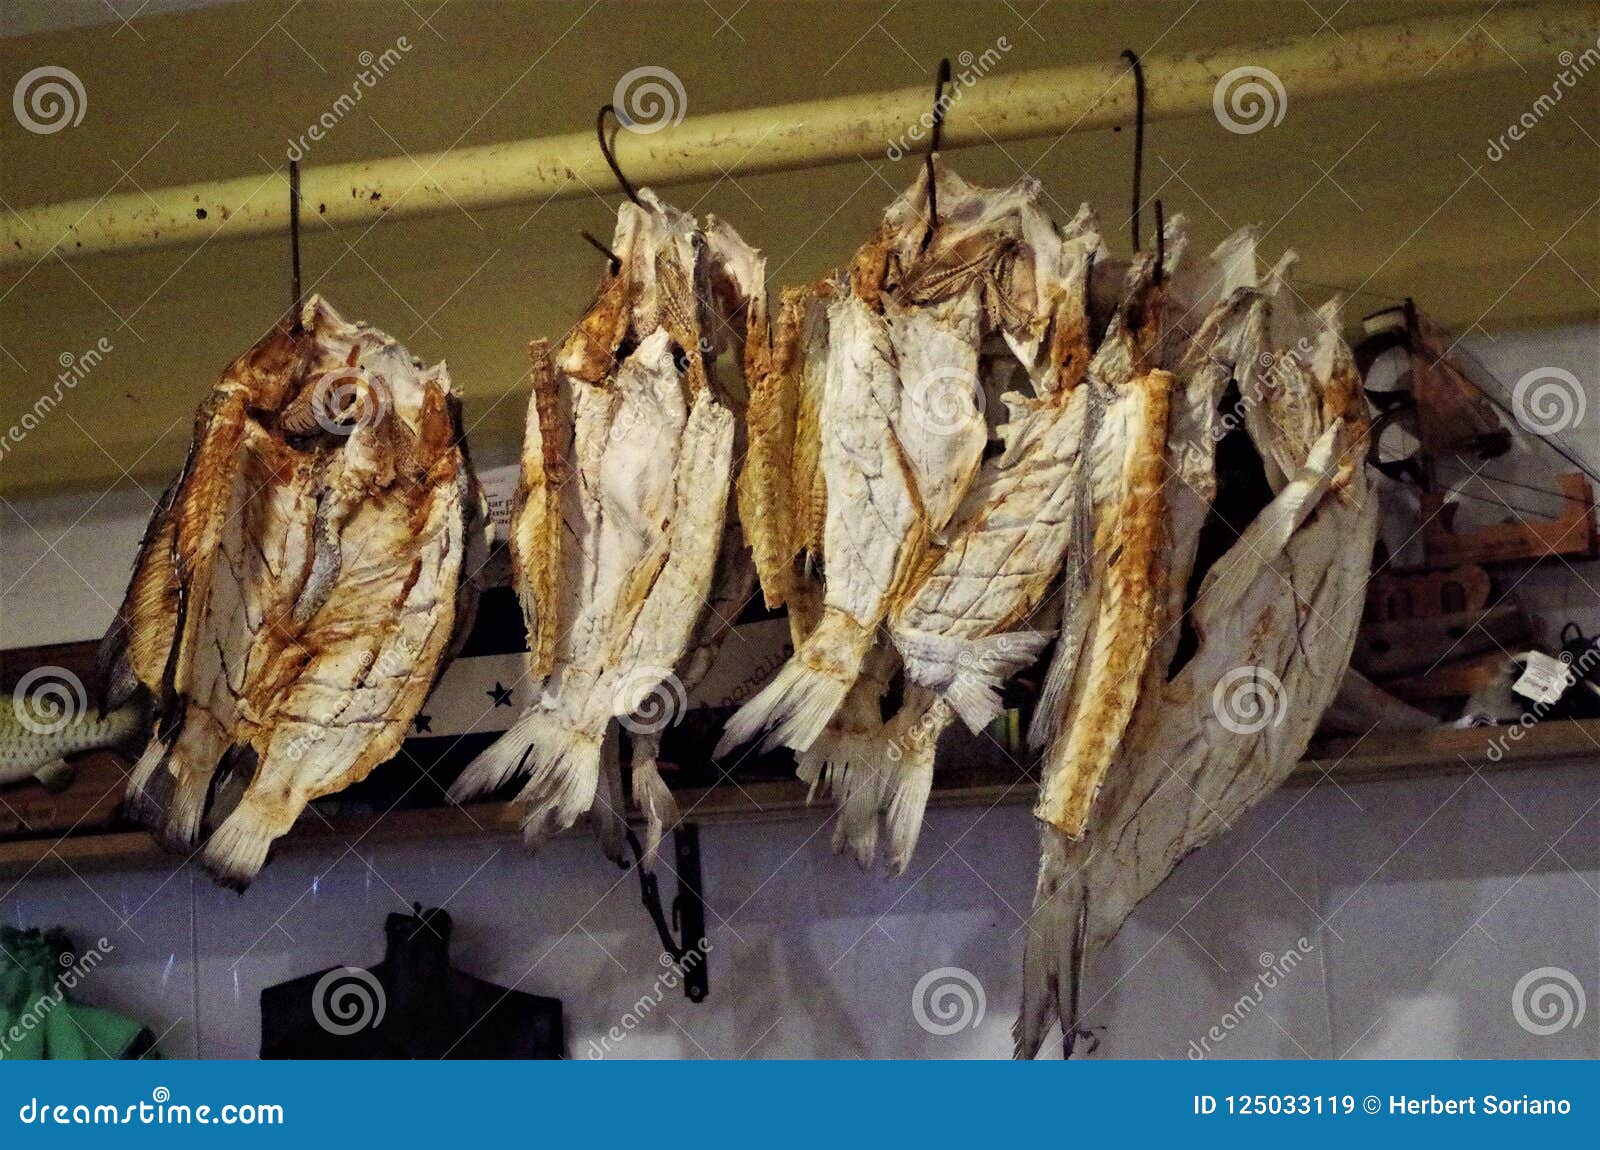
point(901, 428)
point(298, 586)
point(1271, 627)
point(634, 450)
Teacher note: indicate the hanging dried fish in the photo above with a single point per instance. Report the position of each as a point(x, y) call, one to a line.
point(298, 586)
point(1244, 669)
point(630, 442)
point(901, 434)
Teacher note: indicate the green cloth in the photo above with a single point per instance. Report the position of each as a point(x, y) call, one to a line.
point(38, 1020)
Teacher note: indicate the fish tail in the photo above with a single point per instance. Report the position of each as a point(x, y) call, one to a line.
point(171, 785)
point(186, 810)
point(143, 804)
point(905, 798)
point(564, 778)
point(238, 850)
point(1052, 957)
point(807, 692)
point(652, 796)
point(982, 670)
point(505, 759)
point(847, 765)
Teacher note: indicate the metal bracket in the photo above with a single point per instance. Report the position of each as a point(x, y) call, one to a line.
point(688, 910)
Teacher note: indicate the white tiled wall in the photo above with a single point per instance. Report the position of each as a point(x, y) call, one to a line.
point(1422, 903)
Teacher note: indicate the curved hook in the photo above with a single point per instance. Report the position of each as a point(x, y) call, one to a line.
point(611, 256)
point(605, 149)
point(1129, 55)
point(940, 81)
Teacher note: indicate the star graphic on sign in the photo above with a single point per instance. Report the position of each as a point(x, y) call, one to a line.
point(424, 724)
point(500, 695)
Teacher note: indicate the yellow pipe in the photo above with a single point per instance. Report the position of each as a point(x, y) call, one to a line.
point(993, 108)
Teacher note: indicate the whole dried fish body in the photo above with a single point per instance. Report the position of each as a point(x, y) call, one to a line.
point(634, 454)
point(298, 586)
point(1109, 623)
point(967, 625)
point(901, 430)
point(1274, 619)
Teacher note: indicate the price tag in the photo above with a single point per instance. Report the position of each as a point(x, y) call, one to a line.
point(1544, 680)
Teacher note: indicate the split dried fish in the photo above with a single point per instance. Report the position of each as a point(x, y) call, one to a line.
point(298, 586)
point(901, 432)
point(1270, 629)
point(621, 513)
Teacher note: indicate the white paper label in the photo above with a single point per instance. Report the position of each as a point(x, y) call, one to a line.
point(499, 487)
point(1544, 680)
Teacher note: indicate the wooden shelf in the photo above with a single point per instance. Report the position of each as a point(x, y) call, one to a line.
point(1376, 757)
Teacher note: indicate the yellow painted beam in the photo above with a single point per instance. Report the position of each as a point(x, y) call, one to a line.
point(988, 107)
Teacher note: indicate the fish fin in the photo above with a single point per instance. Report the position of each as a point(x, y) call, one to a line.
point(564, 777)
point(505, 759)
point(114, 677)
point(238, 850)
point(1052, 956)
point(969, 673)
point(905, 799)
point(806, 692)
point(143, 804)
point(846, 765)
point(651, 794)
point(55, 775)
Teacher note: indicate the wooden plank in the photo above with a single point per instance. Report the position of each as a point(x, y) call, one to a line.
point(1399, 646)
point(1374, 758)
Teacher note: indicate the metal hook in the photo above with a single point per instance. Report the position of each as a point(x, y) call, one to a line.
point(297, 300)
point(605, 149)
point(1129, 55)
point(616, 263)
point(940, 81)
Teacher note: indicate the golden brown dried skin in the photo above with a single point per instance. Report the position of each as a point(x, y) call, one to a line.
point(765, 502)
point(589, 352)
point(535, 541)
point(1132, 534)
point(281, 523)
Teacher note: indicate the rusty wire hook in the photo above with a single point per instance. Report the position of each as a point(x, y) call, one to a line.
point(605, 149)
point(1129, 55)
